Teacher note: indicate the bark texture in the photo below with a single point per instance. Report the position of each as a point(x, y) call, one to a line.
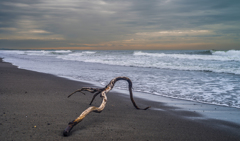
point(103, 95)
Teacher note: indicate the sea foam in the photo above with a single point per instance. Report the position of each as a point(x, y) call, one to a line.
point(203, 76)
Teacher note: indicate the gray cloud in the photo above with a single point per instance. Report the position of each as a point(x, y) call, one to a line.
point(96, 21)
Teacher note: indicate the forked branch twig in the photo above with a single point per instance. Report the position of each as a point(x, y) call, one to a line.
point(99, 109)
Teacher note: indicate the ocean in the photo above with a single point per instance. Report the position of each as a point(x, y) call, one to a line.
point(204, 76)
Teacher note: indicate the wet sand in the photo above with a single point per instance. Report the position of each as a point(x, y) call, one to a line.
point(34, 106)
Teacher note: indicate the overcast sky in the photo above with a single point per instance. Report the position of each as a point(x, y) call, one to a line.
point(120, 24)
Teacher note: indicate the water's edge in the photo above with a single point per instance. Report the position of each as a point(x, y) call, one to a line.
point(208, 111)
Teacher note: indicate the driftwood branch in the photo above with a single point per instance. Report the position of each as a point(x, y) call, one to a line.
point(99, 109)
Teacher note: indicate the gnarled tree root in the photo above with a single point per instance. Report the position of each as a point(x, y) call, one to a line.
point(99, 109)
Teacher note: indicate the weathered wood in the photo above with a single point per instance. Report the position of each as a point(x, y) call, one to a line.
point(103, 95)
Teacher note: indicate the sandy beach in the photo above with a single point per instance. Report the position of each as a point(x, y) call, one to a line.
point(34, 106)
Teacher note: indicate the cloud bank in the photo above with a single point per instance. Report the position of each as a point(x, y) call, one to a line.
point(120, 24)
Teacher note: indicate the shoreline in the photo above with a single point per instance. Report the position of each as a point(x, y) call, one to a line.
point(30, 99)
point(206, 110)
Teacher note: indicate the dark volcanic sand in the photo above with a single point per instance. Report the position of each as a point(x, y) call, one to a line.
point(34, 106)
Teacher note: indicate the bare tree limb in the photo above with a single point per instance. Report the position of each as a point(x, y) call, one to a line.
point(99, 109)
